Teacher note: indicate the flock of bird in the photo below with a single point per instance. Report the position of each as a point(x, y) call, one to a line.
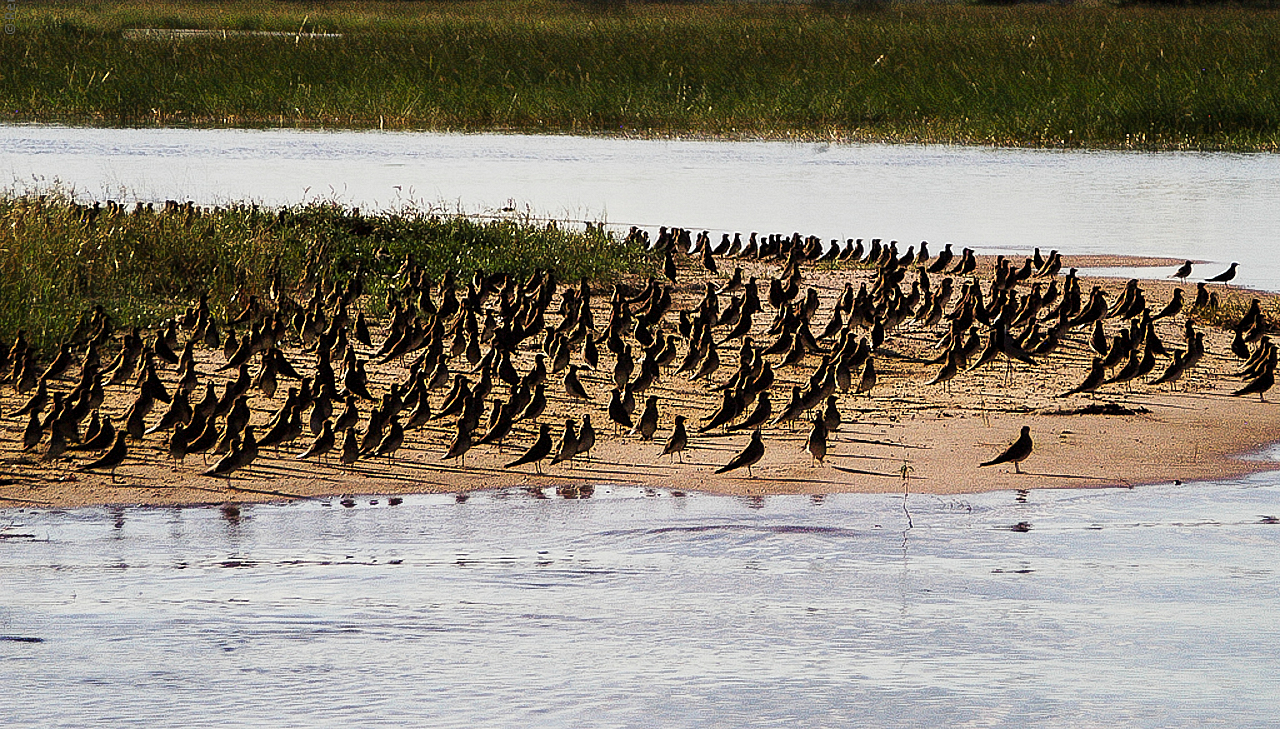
point(482, 358)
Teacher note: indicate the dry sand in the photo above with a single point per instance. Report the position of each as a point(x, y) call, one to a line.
point(904, 435)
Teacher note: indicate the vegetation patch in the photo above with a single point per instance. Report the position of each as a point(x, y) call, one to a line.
point(59, 259)
point(1127, 77)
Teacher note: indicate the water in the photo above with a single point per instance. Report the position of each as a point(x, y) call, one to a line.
point(1213, 207)
point(1155, 607)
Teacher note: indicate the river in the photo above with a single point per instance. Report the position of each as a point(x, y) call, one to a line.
point(1153, 607)
point(1212, 207)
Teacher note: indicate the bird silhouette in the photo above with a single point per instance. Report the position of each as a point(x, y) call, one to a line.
point(1015, 453)
point(322, 444)
point(112, 458)
point(1183, 271)
point(1226, 276)
point(816, 443)
point(540, 449)
point(678, 441)
point(748, 457)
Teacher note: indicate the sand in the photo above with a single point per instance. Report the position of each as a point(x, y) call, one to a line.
point(903, 435)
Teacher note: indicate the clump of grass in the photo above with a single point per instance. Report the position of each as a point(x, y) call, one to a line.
point(1138, 77)
point(58, 259)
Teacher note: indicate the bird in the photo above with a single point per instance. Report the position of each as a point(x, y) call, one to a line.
point(540, 449)
point(350, 447)
point(573, 386)
point(1015, 453)
point(242, 454)
point(748, 457)
point(617, 412)
point(112, 458)
point(568, 443)
point(461, 444)
point(322, 444)
point(586, 436)
point(648, 424)
point(759, 415)
point(678, 441)
point(1226, 276)
point(1097, 373)
point(1183, 271)
point(1263, 382)
point(816, 444)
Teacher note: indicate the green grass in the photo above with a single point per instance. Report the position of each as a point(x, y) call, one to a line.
point(56, 264)
point(1140, 77)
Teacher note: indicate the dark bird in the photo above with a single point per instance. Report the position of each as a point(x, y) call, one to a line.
point(462, 440)
point(1097, 374)
point(748, 457)
point(1015, 453)
point(731, 406)
point(540, 449)
point(759, 415)
point(322, 444)
point(831, 416)
point(816, 444)
point(678, 441)
point(1183, 271)
point(242, 454)
point(617, 412)
point(1263, 382)
point(1225, 276)
point(586, 436)
point(350, 447)
point(112, 458)
point(568, 443)
point(1172, 308)
point(573, 386)
point(393, 439)
point(648, 424)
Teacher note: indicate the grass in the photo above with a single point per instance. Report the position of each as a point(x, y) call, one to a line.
point(1135, 77)
point(58, 259)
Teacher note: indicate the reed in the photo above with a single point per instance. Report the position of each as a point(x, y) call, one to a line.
point(58, 259)
point(1136, 77)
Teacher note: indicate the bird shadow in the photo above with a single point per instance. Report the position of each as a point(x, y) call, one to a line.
point(860, 472)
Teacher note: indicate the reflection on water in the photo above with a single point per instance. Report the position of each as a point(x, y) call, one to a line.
point(1149, 607)
point(1215, 207)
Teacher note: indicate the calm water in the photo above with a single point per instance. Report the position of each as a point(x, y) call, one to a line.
point(1215, 207)
point(1156, 607)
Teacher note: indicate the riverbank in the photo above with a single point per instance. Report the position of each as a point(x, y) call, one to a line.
point(904, 434)
point(1132, 78)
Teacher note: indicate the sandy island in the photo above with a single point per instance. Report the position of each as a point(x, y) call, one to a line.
point(904, 434)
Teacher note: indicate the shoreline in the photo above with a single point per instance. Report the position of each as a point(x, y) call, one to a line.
point(938, 434)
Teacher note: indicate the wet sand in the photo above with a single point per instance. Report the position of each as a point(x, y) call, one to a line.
point(903, 435)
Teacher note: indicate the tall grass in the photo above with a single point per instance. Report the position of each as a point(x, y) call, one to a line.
point(58, 259)
point(1075, 76)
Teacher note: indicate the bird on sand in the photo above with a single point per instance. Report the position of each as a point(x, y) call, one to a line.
point(816, 444)
point(678, 441)
point(321, 445)
point(1097, 373)
point(1183, 271)
point(568, 443)
point(573, 386)
point(241, 455)
point(112, 458)
point(1263, 382)
point(1225, 276)
point(748, 457)
point(1015, 453)
point(540, 449)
